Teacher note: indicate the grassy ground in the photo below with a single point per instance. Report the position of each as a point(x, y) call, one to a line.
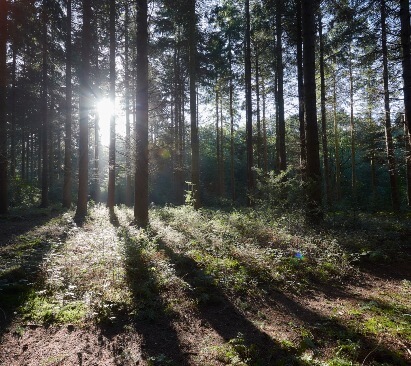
point(208, 287)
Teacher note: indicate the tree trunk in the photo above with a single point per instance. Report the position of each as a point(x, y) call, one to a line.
point(300, 80)
point(336, 138)
point(84, 108)
point(112, 147)
point(44, 111)
point(392, 168)
point(67, 139)
point(324, 116)
point(258, 115)
point(265, 150)
point(3, 122)
point(352, 131)
point(280, 86)
point(314, 212)
point(13, 116)
point(249, 106)
point(221, 174)
point(195, 148)
point(127, 106)
point(232, 176)
point(406, 73)
point(141, 174)
point(217, 130)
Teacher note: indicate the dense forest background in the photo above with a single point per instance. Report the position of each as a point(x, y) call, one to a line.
point(228, 84)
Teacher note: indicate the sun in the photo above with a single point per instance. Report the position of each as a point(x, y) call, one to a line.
point(105, 109)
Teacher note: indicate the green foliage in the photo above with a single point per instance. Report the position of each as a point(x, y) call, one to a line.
point(23, 194)
point(44, 310)
point(284, 190)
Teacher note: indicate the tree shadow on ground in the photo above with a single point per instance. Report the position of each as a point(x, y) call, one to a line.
point(221, 314)
point(20, 221)
point(150, 317)
point(21, 261)
point(328, 328)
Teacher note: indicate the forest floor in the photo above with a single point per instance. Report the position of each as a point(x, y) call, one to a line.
point(208, 287)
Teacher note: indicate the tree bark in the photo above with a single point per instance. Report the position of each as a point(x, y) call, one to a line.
point(112, 147)
point(141, 174)
point(68, 122)
point(127, 106)
point(406, 74)
point(67, 185)
point(300, 81)
point(392, 168)
point(280, 88)
point(44, 111)
point(352, 132)
point(258, 114)
point(314, 209)
point(336, 138)
point(3, 122)
point(195, 148)
point(324, 117)
point(84, 108)
point(249, 106)
point(232, 176)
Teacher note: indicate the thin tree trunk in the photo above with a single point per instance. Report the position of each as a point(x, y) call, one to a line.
point(3, 122)
point(324, 117)
point(258, 115)
point(280, 86)
point(265, 150)
point(112, 147)
point(232, 177)
point(300, 81)
point(408, 154)
point(352, 132)
point(141, 174)
point(67, 139)
point(84, 107)
point(314, 212)
point(217, 130)
point(195, 148)
point(249, 106)
point(44, 111)
point(406, 73)
point(13, 116)
point(392, 166)
point(336, 139)
point(222, 188)
point(127, 106)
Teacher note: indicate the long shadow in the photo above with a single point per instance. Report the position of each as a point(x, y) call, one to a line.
point(220, 313)
point(19, 222)
point(150, 316)
point(324, 327)
point(20, 262)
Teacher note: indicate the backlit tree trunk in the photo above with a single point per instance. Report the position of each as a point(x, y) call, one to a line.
point(3, 121)
point(280, 88)
point(195, 148)
point(406, 73)
point(249, 107)
point(84, 108)
point(112, 147)
point(67, 139)
point(324, 117)
point(141, 173)
point(44, 112)
point(392, 168)
point(314, 209)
